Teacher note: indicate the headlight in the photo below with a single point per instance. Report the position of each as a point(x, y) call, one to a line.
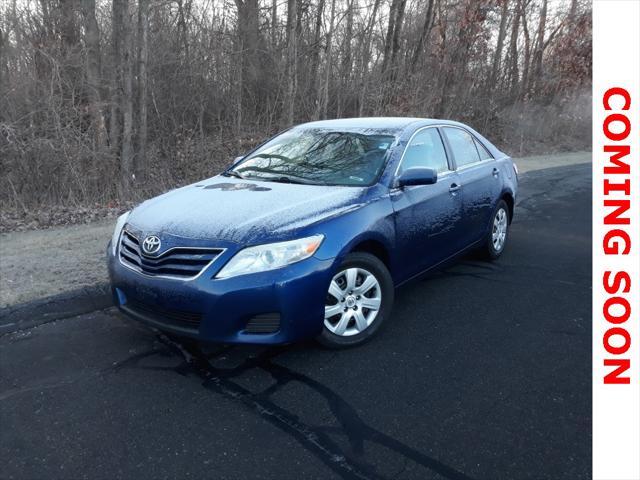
point(122, 219)
point(268, 257)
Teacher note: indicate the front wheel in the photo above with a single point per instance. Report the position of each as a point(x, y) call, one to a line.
point(359, 299)
point(499, 231)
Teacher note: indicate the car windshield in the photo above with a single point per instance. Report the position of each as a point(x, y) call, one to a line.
point(320, 156)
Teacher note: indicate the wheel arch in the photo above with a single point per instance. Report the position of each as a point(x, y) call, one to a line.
point(508, 198)
point(373, 246)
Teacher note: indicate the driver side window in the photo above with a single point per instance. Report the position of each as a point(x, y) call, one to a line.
point(425, 150)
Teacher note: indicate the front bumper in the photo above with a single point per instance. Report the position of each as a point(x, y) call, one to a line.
point(291, 299)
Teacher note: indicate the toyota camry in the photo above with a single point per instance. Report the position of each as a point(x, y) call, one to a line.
point(308, 235)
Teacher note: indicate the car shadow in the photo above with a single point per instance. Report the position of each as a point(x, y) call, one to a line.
point(202, 361)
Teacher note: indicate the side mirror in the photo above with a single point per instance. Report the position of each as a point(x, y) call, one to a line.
point(418, 176)
point(236, 160)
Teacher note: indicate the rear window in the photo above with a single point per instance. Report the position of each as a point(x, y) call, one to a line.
point(462, 145)
point(482, 151)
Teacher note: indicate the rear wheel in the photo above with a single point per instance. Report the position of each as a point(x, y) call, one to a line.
point(499, 231)
point(359, 298)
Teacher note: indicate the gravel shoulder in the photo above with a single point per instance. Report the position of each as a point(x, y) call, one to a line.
point(42, 263)
point(539, 162)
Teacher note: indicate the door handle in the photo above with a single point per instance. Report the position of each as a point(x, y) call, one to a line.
point(496, 172)
point(454, 188)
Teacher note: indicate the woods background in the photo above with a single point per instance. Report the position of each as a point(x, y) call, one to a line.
point(104, 102)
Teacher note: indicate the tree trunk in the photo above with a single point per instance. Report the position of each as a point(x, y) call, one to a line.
point(514, 74)
point(327, 74)
point(292, 53)
point(497, 58)
point(3, 63)
point(274, 23)
point(143, 56)
point(126, 153)
point(92, 42)
point(526, 63)
point(572, 10)
point(251, 63)
point(315, 55)
point(396, 35)
point(366, 57)
point(388, 42)
point(70, 45)
point(182, 30)
point(424, 35)
point(117, 30)
point(345, 69)
point(238, 103)
point(539, 47)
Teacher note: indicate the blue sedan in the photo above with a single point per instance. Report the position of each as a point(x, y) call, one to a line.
point(309, 234)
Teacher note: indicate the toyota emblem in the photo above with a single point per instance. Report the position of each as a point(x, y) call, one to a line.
point(151, 245)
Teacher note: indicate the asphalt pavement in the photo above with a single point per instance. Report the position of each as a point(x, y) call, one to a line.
point(483, 372)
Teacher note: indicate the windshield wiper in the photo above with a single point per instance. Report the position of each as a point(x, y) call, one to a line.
point(232, 173)
point(285, 179)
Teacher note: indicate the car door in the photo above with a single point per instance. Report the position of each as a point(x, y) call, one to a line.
point(427, 217)
point(479, 178)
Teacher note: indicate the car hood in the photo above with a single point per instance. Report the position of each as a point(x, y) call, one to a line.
point(241, 211)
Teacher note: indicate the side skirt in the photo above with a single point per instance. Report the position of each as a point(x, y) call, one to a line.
point(450, 258)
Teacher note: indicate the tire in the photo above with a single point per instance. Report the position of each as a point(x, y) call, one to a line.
point(348, 320)
point(498, 232)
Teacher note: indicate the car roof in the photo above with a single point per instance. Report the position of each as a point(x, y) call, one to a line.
point(393, 123)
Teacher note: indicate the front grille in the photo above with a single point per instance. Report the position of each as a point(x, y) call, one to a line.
point(181, 262)
point(176, 318)
point(264, 323)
